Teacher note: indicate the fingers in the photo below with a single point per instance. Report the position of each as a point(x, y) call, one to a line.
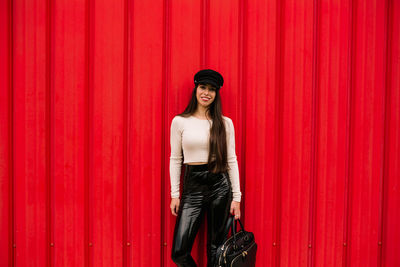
point(174, 208)
point(236, 212)
point(237, 215)
point(174, 212)
point(235, 209)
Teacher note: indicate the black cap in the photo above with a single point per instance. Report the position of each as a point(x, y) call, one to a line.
point(208, 76)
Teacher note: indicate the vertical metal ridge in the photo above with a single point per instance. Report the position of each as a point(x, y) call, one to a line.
point(386, 124)
point(11, 145)
point(166, 59)
point(348, 145)
point(204, 32)
point(242, 67)
point(49, 136)
point(125, 138)
point(280, 48)
point(314, 135)
point(88, 131)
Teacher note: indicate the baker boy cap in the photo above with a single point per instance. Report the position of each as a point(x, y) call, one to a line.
point(208, 76)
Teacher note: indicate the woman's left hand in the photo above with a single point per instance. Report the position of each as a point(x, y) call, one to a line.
point(235, 209)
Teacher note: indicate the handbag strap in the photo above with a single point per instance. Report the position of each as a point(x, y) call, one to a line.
point(234, 230)
point(241, 225)
point(228, 226)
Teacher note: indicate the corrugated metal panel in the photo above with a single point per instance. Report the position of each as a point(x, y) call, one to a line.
point(389, 230)
point(6, 208)
point(30, 115)
point(70, 135)
point(89, 89)
point(331, 133)
point(365, 149)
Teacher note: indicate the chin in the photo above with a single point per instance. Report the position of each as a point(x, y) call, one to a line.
point(204, 104)
point(207, 104)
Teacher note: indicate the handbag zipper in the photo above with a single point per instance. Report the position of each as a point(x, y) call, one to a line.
point(241, 255)
point(224, 254)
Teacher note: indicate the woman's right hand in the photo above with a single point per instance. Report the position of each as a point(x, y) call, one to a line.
point(174, 206)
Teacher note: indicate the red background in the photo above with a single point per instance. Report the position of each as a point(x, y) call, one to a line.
point(88, 91)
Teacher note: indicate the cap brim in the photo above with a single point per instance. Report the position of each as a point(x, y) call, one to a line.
point(209, 81)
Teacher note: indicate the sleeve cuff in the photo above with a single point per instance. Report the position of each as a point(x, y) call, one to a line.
point(237, 196)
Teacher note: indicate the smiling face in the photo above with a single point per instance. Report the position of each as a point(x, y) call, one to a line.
point(205, 94)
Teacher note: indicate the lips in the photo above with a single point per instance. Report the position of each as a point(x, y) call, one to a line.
point(205, 98)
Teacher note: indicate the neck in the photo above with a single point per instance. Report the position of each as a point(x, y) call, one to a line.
point(200, 111)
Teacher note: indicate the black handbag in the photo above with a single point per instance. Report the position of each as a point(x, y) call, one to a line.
point(239, 250)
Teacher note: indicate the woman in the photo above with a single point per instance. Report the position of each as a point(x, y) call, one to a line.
point(206, 141)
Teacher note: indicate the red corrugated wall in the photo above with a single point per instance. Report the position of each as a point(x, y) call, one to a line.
point(89, 89)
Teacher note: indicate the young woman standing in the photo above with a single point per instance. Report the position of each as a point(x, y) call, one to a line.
point(204, 140)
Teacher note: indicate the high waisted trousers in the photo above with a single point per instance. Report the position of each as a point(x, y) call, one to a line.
point(203, 193)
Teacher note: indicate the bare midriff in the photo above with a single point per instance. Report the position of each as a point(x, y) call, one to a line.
point(196, 163)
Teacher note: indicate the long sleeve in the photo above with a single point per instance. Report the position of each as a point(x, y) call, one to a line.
point(232, 162)
point(175, 163)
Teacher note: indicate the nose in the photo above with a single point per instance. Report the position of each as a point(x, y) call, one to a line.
point(207, 90)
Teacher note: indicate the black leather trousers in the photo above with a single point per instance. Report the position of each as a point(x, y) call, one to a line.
point(203, 192)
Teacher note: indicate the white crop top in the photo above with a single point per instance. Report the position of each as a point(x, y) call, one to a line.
point(191, 135)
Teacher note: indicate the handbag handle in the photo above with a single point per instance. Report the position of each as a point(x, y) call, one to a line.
point(234, 231)
point(233, 224)
point(228, 226)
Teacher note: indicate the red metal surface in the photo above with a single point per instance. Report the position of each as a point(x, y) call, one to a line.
point(332, 128)
point(391, 171)
point(30, 133)
point(6, 202)
point(89, 89)
point(69, 131)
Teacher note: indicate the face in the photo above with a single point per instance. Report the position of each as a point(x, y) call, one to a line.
point(205, 94)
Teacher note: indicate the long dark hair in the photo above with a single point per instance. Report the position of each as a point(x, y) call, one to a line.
point(217, 156)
